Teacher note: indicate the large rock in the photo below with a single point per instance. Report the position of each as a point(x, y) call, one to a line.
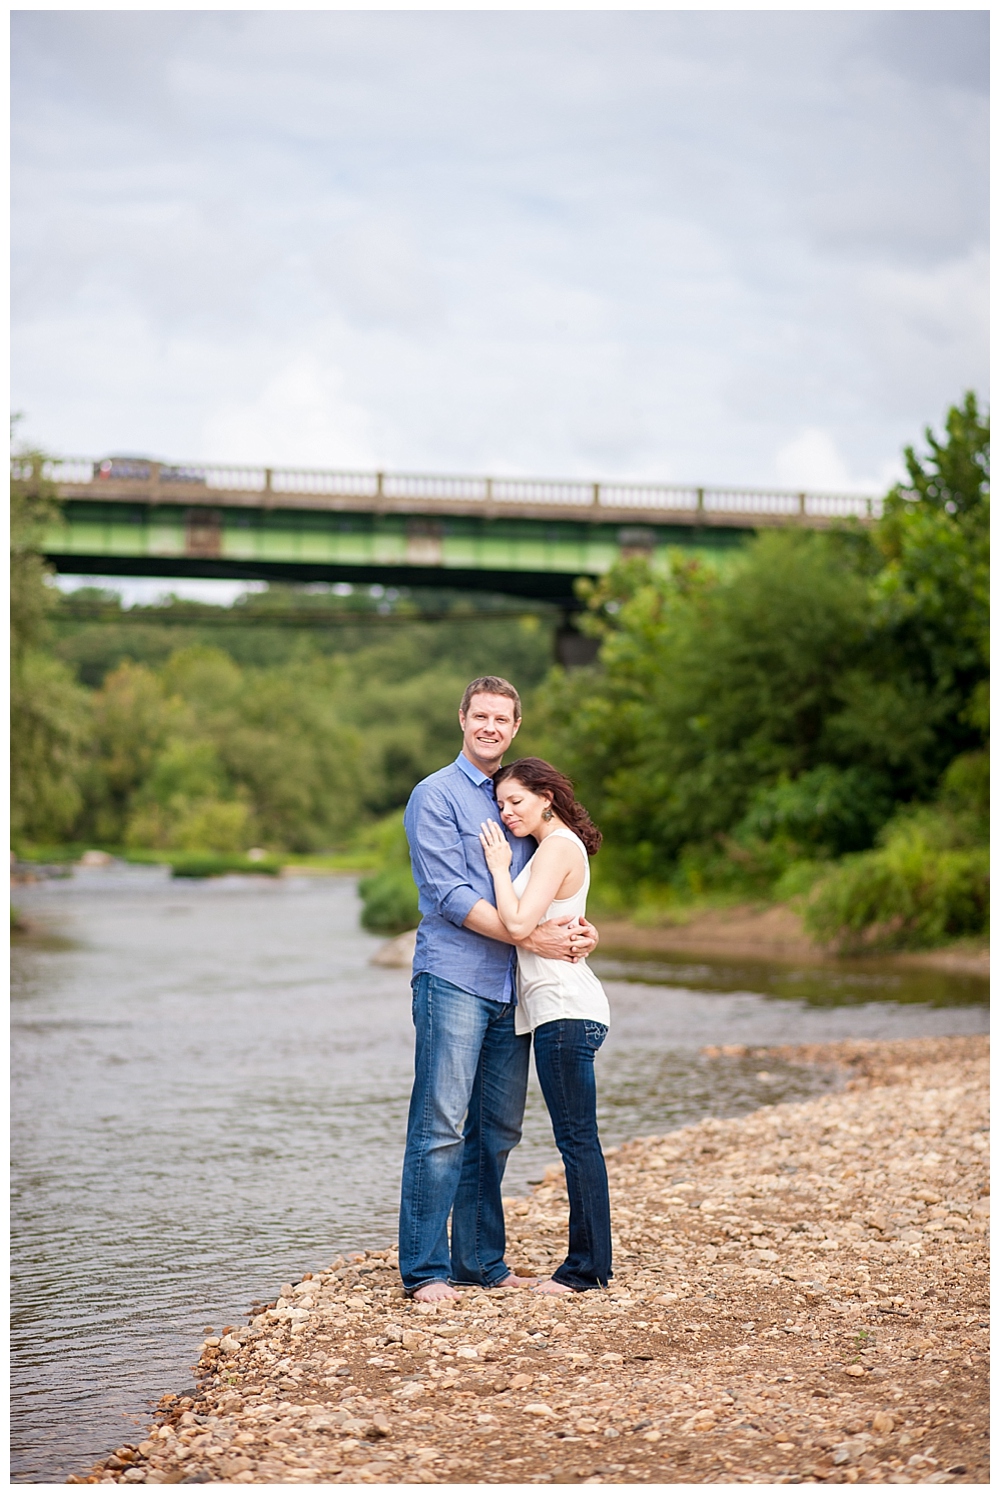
point(397, 954)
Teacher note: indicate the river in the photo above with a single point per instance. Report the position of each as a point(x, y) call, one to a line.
point(209, 1094)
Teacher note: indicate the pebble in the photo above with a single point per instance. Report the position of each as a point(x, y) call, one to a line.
point(820, 1317)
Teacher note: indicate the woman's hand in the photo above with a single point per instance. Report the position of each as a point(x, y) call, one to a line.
point(495, 846)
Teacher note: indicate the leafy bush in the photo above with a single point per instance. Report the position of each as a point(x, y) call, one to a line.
point(832, 809)
point(206, 864)
point(187, 803)
point(920, 887)
point(965, 793)
point(216, 825)
point(389, 901)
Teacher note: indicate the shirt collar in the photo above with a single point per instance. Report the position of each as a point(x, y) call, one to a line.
point(471, 771)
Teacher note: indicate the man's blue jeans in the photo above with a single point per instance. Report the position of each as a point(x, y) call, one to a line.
point(564, 1061)
point(470, 1081)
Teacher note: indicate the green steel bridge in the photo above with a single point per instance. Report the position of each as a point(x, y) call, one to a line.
point(523, 537)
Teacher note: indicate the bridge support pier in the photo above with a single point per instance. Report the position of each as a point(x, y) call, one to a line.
point(573, 649)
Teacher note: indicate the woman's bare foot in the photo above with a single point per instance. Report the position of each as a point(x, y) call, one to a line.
point(435, 1291)
point(513, 1282)
point(550, 1288)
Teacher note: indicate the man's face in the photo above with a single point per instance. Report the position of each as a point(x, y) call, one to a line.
point(488, 728)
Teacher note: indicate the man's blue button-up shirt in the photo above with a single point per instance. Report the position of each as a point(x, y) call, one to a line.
point(442, 823)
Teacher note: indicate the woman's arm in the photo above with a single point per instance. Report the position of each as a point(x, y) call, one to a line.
point(553, 859)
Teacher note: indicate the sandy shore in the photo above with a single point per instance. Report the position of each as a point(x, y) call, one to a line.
point(800, 1295)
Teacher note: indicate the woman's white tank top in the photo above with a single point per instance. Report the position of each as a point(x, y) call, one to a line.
point(548, 990)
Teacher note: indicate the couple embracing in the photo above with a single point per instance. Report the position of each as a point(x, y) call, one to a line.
point(500, 859)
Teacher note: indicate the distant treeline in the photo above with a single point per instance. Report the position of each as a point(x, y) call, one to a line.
point(809, 721)
point(156, 728)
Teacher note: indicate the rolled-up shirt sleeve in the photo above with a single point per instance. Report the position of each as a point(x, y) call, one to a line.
point(437, 855)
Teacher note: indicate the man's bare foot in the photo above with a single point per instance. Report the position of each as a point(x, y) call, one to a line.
point(513, 1282)
point(550, 1288)
point(435, 1291)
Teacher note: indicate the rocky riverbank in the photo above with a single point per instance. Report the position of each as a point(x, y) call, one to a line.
point(800, 1295)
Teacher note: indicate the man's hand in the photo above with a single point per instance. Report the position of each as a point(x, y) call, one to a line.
point(587, 937)
point(567, 938)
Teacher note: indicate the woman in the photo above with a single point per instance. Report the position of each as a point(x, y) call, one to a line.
point(562, 1004)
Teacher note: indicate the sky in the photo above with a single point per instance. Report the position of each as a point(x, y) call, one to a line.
point(695, 246)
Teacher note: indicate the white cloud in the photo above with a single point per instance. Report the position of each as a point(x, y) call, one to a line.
point(812, 460)
point(919, 322)
point(300, 416)
point(663, 244)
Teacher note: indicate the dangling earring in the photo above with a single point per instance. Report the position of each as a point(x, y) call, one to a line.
point(547, 814)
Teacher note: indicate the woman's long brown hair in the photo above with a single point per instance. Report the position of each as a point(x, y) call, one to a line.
point(542, 778)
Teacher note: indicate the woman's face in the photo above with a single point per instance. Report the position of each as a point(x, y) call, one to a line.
point(520, 809)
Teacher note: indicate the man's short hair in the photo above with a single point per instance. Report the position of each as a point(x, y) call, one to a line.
point(491, 684)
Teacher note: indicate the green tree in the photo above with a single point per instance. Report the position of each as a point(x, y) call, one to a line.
point(258, 754)
point(133, 721)
point(954, 476)
point(187, 803)
point(49, 711)
point(797, 698)
point(934, 588)
point(291, 747)
point(713, 686)
point(34, 509)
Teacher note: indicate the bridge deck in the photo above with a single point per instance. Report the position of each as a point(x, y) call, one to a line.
point(529, 537)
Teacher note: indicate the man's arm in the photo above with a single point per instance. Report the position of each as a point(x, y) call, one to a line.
point(559, 939)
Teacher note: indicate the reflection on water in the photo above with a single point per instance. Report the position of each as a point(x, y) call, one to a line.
point(209, 1096)
point(845, 982)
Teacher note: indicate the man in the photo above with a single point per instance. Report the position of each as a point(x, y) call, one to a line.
point(471, 1068)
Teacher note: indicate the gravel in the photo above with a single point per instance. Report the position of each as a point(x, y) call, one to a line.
point(800, 1295)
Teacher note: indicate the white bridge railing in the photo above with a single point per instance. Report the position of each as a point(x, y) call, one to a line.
point(114, 475)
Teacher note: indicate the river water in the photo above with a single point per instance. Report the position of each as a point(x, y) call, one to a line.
point(209, 1095)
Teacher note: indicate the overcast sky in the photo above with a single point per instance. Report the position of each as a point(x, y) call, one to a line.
point(724, 247)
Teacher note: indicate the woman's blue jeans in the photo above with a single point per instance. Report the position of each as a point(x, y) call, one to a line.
point(469, 1084)
point(564, 1062)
